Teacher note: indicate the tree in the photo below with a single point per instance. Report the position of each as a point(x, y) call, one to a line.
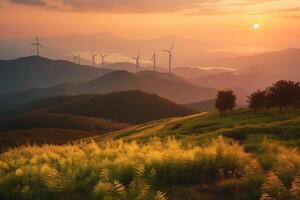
point(225, 101)
point(284, 93)
point(257, 100)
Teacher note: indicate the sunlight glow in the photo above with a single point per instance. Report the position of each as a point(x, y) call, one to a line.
point(256, 26)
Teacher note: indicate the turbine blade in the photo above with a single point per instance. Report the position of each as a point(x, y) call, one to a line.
point(172, 47)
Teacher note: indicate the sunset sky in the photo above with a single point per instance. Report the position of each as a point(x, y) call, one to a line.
point(227, 22)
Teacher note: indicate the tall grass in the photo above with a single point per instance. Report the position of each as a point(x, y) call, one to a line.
point(116, 170)
point(150, 171)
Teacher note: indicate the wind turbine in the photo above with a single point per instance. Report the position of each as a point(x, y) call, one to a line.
point(79, 60)
point(74, 59)
point(137, 59)
point(93, 58)
point(102, 57)
point(170, 57)
point(37, 45)
point(154, 61)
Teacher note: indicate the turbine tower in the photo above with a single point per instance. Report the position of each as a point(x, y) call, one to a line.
point(79, 60)
point(102, 57)
point(170, 57)
point(154, 61)
point(137, 59)
point(74, 59)
point(93, 58)
point(37, 45)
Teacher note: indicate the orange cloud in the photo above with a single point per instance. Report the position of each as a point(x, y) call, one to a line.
point(144, 6)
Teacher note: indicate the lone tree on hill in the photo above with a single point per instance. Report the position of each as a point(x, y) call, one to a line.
point(225, 101)
point(257, 100)
point(284, 93)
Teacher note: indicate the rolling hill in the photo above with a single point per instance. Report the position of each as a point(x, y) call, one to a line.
point(77, 117)
point(127, 107)
point(164, 85)
point(61, 121)
point(52, 128)
point(243, 125)
point(38, 72)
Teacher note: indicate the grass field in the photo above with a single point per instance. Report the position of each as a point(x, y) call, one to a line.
point(243, 156)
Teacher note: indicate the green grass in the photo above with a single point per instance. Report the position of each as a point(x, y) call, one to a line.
point(245, 126)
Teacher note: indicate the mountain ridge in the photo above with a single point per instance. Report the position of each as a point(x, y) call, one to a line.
point(167, 86)
point(39, 72)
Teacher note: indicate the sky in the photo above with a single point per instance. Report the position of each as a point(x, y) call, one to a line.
point(234, 25)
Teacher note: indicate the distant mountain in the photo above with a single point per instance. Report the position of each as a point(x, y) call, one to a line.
point(248, 82)
point(38, 72)
point(164, 85)
point(195, 72)
point(127, 66)
point(203, 106)
point(285, 63)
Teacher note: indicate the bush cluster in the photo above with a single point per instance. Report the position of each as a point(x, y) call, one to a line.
point(281, 94)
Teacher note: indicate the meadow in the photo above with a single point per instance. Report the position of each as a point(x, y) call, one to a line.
point(203, 157)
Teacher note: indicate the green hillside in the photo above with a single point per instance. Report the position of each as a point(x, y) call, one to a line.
point(243, 125)
point(243, 156)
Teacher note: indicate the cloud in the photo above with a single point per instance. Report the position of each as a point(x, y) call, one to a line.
point(285, 10)
point(212, 11)
point(201, 7)
point(128, 6)
point(292, 12)
point(29, 2)
point(292, 16)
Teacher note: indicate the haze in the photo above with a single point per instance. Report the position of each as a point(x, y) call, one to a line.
point(218, 25)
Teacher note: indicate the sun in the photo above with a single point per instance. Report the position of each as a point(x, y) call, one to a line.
point(256, 26)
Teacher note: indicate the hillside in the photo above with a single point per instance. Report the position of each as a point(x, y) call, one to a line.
point(129, 107)
point(52, 128)
point(164, 85)
point(38, 72)
point(242, 125)
point(60, 121)
point(43, 120)
point(241, 156)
